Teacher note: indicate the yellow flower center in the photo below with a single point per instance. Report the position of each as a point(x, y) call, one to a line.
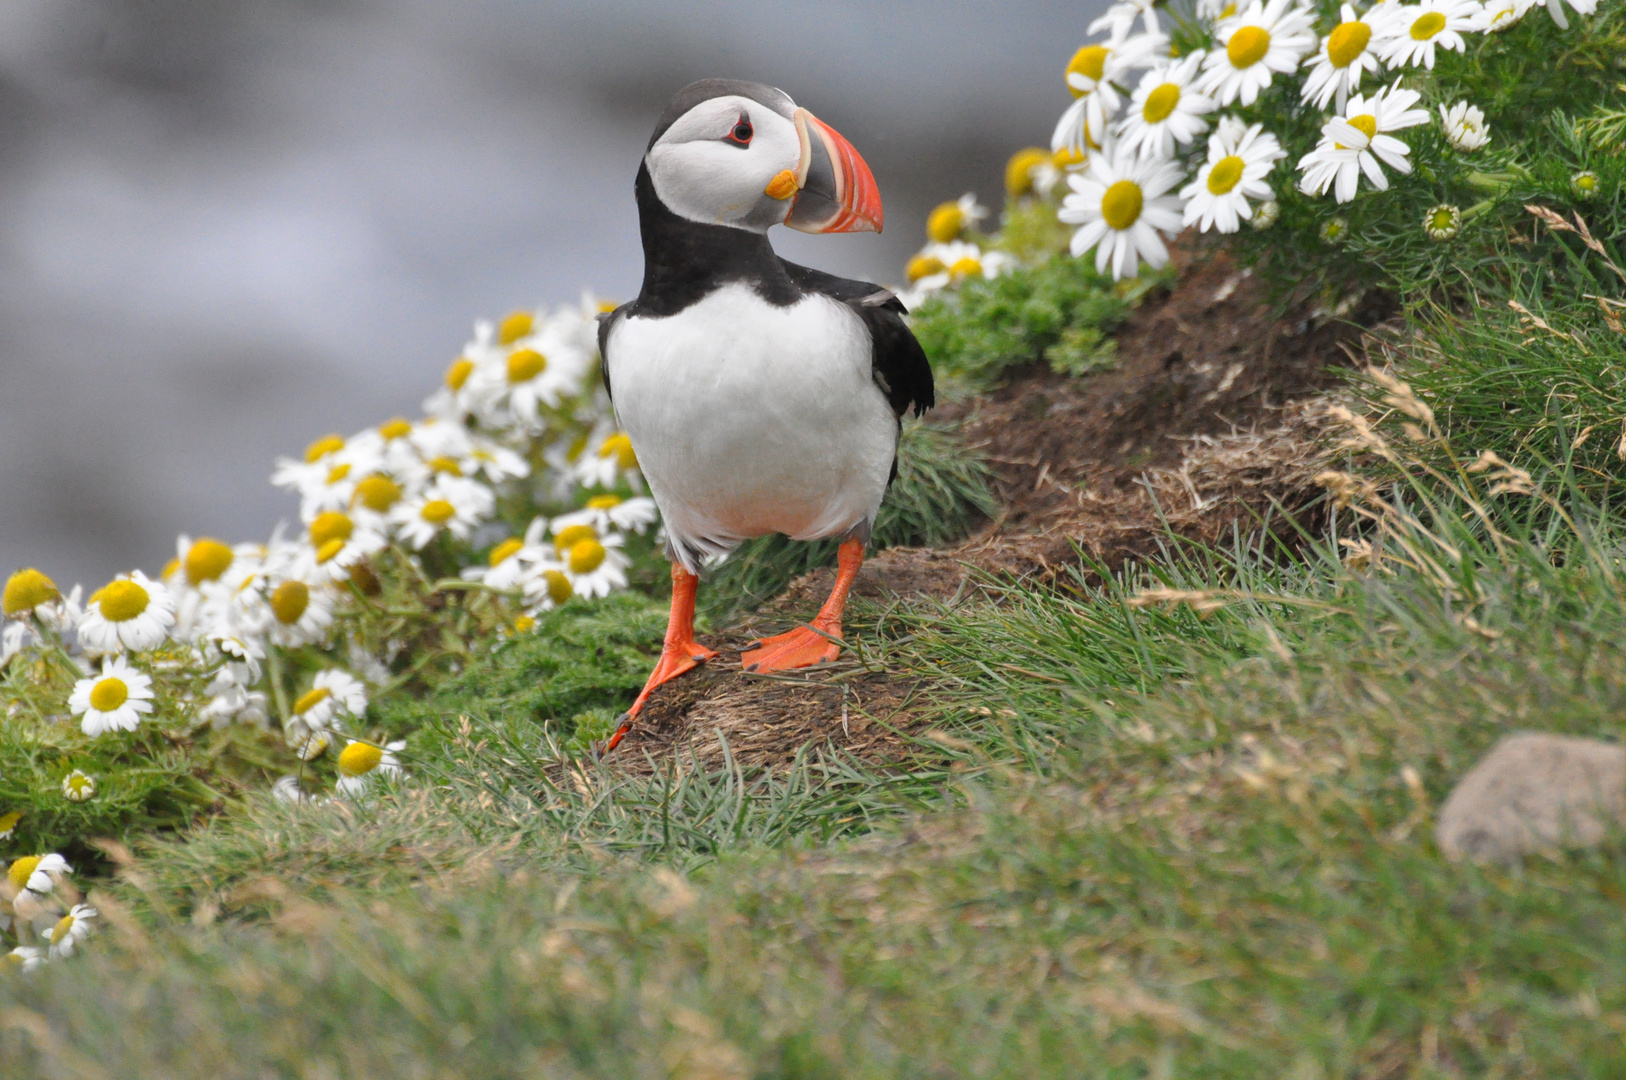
point(945, 222)
point(1090, 62)
point(518, 324)
point(525, 364)
point(289, 601)
point(1019, 170)
point(62, 928)
point(570, 536)
point(206, 560)
point(330, 526)
point(524, 624)
point(337, 473)
point(169, 569)
point(328, 552)
point(378, 493)
point(1427, 25)
point(1586, 181)
point(1366, 124)
point(398, 428)
point(923, 266)
point(1121, 204)
point(108, 694)
point(559, 587)
point(459, 373)
point(1226, 12)
point(965, 267)
point(1346, 42)
point(604, 502)
point(438, 511)
point(586, 556)
point(8, 822)
point(359, 759)
point(122, 601)
point(310, 699)
point(321, 448)
point(505, 550)
point(77, 786)
point(1225, 174)
point(1069, 155)
point(27, 590)
point(1248, 46)
point(446, 465)
point(619, 446)
point(1439, 219)
point(1160, 103)
point(23, 869)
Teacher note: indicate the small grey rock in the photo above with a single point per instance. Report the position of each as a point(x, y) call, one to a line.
point(1532, 792)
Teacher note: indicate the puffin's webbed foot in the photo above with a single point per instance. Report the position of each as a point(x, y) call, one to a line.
point(798, 648)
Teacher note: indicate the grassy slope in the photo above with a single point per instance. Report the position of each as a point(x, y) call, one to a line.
point(1174, 845)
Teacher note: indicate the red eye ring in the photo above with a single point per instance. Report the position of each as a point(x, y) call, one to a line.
point(740, 134)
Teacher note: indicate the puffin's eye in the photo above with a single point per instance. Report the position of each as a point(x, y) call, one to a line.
point(741, 134)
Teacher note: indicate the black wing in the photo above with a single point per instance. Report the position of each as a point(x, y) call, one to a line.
point(604, 322)
point(900, 369)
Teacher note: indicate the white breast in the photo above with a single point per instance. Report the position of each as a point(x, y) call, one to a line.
point(751, 419)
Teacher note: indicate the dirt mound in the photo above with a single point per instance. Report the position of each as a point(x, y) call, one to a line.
point(1211, 418)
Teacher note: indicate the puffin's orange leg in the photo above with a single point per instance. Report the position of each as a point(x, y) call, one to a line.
point(679, 653)
point(808, 645)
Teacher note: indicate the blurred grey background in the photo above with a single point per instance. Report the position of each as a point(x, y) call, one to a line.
point(229, 227)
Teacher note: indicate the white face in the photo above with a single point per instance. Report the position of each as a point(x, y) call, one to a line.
point(702, 172)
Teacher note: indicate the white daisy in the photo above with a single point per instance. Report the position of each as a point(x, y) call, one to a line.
point(948, 220)
point(1265, 40)
point(132, 612)
point(1358, 141)
point(592, 561)
point(363, 764)
point(287, 789)
point(1410, 34)
point(1120, 18)
point(546, 586)
point(1091, 77)
point(609, 512)
point(447, 505)
point(508, 561)
point(335, 542)
point(1166, 110)
point(301, 614)
point(115, 700)
point(26, 957)
point(38, 874)
point(495, 461)
point(320, 456)
point(333, 694)
point(1031, 170)
point(197, 564)
point(78, 786)
point(1345, 53)
point(1498, 15)
point(1119, 206)
point(1239, 159)
point(605, 459)
point(26, 591)
point(533, 373)
point(1465, 127)
point(1555, 8)
point(68, 931)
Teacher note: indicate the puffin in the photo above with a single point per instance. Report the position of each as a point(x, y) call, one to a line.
point(759, 396)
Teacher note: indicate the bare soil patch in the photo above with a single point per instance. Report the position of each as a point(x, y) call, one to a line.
point(1212, 417)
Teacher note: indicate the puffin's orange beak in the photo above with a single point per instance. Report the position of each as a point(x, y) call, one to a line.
point(837, 190)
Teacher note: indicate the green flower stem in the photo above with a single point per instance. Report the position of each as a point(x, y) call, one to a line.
point(279, 692)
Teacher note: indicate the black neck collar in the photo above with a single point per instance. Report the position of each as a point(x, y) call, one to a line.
point(685, 261)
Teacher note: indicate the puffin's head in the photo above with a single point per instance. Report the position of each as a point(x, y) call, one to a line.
point(742, 154)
